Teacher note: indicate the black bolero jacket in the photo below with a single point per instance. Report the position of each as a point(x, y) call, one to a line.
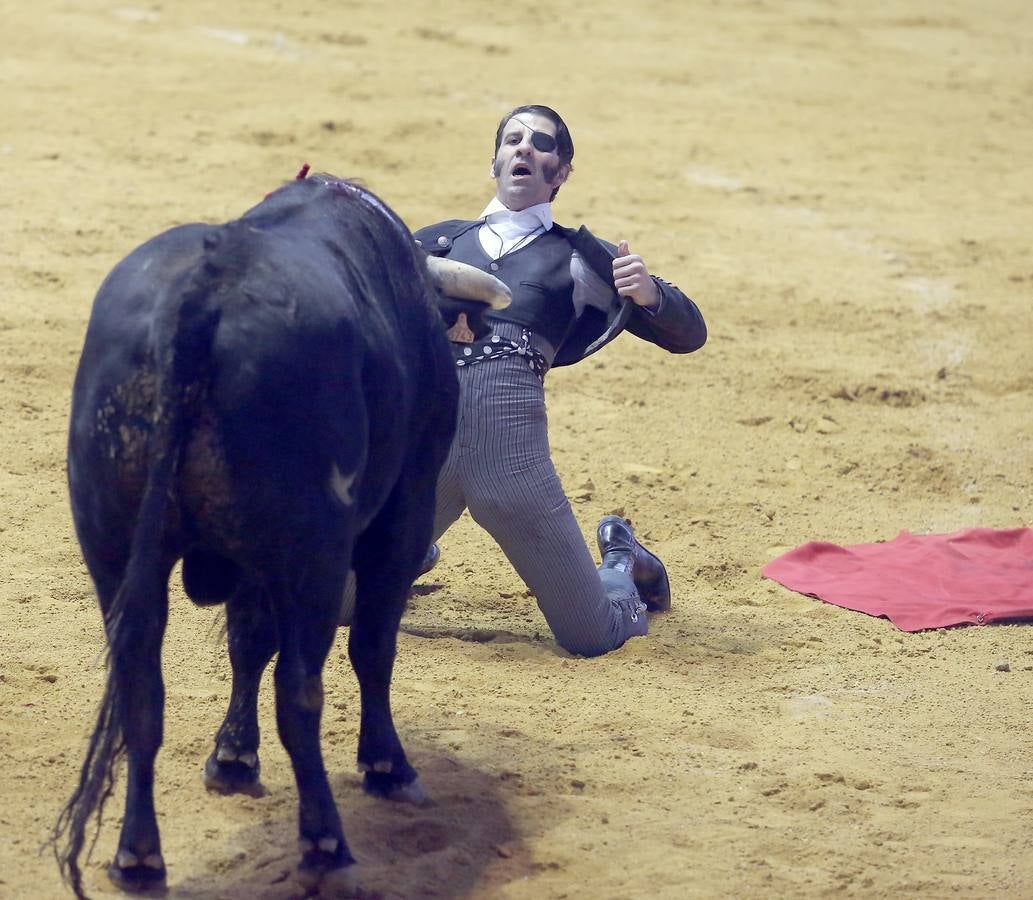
point(677, 326)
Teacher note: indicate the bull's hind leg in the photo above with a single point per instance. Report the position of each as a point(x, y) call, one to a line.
point(252, 639)
point(307, 623)
point(134, 604)
point(387, 560)
point(139, 705)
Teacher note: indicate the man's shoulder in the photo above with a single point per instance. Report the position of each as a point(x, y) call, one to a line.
point(440, 235)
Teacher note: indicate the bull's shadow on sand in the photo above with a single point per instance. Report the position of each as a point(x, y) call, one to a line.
point(442, 849)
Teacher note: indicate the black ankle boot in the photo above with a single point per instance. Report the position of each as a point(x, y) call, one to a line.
point(619, 550)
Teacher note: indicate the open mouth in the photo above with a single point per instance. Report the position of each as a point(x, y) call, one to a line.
point(521, 170)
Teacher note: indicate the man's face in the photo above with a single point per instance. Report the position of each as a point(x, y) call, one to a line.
point(525, 175)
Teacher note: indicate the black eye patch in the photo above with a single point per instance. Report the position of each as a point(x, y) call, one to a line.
point(546, 143)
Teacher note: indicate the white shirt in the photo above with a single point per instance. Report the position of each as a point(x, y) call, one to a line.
point(505, 230)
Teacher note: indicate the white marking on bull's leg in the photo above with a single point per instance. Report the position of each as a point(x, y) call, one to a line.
point(305, 846)
point(225, 754)
point(248, 759)
point(154, 861)
point(126, 859)
point(364, 767)
point(383, 765)
point(328, 844)
point(341, 485)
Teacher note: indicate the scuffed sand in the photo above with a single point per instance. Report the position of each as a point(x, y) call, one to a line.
point(847, 192)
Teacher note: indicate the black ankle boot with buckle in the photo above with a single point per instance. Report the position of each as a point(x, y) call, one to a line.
point(619, 550)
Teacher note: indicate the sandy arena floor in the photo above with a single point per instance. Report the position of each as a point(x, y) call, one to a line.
point(846, 189)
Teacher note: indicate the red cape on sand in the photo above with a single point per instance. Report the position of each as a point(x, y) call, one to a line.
point(973, 576)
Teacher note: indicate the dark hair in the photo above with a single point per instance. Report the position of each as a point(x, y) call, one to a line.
point(564, 143)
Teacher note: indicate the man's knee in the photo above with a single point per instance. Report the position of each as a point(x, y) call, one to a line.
point(630, 621)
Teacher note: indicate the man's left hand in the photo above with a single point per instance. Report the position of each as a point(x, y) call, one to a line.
point(632, 278)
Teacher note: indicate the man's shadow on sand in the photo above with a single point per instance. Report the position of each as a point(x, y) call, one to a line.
point(442, 849)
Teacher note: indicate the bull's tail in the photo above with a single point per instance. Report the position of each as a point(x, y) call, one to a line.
point(96, 782)
point(182, 362)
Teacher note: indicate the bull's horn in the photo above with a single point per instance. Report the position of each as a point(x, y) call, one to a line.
point(456, 279)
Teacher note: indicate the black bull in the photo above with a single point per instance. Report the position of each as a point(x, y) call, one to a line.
point(270, 401)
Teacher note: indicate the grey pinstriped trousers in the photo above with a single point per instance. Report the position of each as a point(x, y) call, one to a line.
point(499, 467)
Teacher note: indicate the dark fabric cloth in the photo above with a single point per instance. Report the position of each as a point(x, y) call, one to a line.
point(974, 576)
point(677, 325)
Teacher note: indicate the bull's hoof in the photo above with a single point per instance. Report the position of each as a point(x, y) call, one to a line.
point(144, 877)
point(333, 884)
point(340, 883)
point(385, 786)
point(327, 867)
point(233, 776)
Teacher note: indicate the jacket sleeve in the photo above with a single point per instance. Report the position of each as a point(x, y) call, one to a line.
point(677, 325)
